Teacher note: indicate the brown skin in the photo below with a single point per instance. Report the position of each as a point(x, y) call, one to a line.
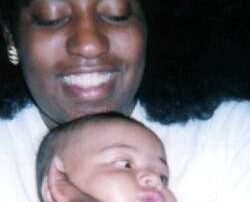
point(75, 37)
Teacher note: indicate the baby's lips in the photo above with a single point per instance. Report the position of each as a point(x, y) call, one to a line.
point(150, 197)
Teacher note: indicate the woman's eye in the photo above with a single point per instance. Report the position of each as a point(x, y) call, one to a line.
point(122, 164)
point(50, 23)
point(164, 180)
point(116, 19)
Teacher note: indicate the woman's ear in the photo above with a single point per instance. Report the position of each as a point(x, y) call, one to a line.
point(54, 185)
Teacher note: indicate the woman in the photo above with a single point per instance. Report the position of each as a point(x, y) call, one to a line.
point(74, 59)
point(83, 56)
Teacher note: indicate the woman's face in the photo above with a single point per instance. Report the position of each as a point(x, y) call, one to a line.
point(82, 56)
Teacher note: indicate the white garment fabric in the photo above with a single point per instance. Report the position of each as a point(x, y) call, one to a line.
point(19, 141)
point(209, 160)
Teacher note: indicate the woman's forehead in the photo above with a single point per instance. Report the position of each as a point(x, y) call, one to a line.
point(25, 2)
point(18, 4)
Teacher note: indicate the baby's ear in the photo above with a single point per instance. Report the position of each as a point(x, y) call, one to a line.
point(45, 191)
point(54, 184)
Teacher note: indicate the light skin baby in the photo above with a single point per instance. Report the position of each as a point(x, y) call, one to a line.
point(109, 157)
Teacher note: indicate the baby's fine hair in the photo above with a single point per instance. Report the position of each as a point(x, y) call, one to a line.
point(53, 140)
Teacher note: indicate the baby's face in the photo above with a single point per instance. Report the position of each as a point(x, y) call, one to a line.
point(118, 162)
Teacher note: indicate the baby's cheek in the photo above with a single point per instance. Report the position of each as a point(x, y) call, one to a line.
point(170, 196)
point(113, 188)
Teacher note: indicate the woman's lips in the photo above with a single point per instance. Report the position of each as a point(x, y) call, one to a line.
point(89, 85)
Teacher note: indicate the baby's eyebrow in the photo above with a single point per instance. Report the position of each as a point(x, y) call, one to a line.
point(118, 146)
point(163, 160)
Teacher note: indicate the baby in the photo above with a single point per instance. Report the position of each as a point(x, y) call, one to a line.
point(108, 156)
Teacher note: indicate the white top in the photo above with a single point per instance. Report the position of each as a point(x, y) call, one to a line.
point(209, 160)
point(19, 142)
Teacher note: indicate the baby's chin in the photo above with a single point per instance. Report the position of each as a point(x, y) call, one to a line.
point(80, 197)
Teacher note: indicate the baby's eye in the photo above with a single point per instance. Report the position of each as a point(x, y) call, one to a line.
point(164, 180)
point(122, 164)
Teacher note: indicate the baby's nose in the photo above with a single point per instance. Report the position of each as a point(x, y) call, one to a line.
point(149, 179)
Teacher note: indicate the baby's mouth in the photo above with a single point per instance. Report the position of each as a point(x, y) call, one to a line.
point(150, 197)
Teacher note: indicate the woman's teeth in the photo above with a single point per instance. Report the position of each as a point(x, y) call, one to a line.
point(87, 80)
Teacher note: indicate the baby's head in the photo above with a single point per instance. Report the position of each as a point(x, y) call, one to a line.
point(108, 156)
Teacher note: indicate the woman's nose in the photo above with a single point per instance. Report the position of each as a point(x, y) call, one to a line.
point(87, 39)
point(149, 179)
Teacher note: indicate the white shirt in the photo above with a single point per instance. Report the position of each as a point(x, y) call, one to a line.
point(19, 142)
point(209, 160)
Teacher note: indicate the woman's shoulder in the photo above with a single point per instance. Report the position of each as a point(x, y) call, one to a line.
point(27, 122)
point(231, 118)
point(234, 107)
point(232, 114)
point(231, 122)
point(231, 110)
point(19, 141)
point(28, 110)
point(217, 147)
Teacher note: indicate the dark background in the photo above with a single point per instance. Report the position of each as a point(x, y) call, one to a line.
point(205, 43)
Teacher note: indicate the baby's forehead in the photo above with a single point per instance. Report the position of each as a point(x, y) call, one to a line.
point(114, 130)
point(111, 122)
point(99, 127)
point(108, 128)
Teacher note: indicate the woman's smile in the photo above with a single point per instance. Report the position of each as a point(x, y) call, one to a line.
point(87, 80)
point(89, 86)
